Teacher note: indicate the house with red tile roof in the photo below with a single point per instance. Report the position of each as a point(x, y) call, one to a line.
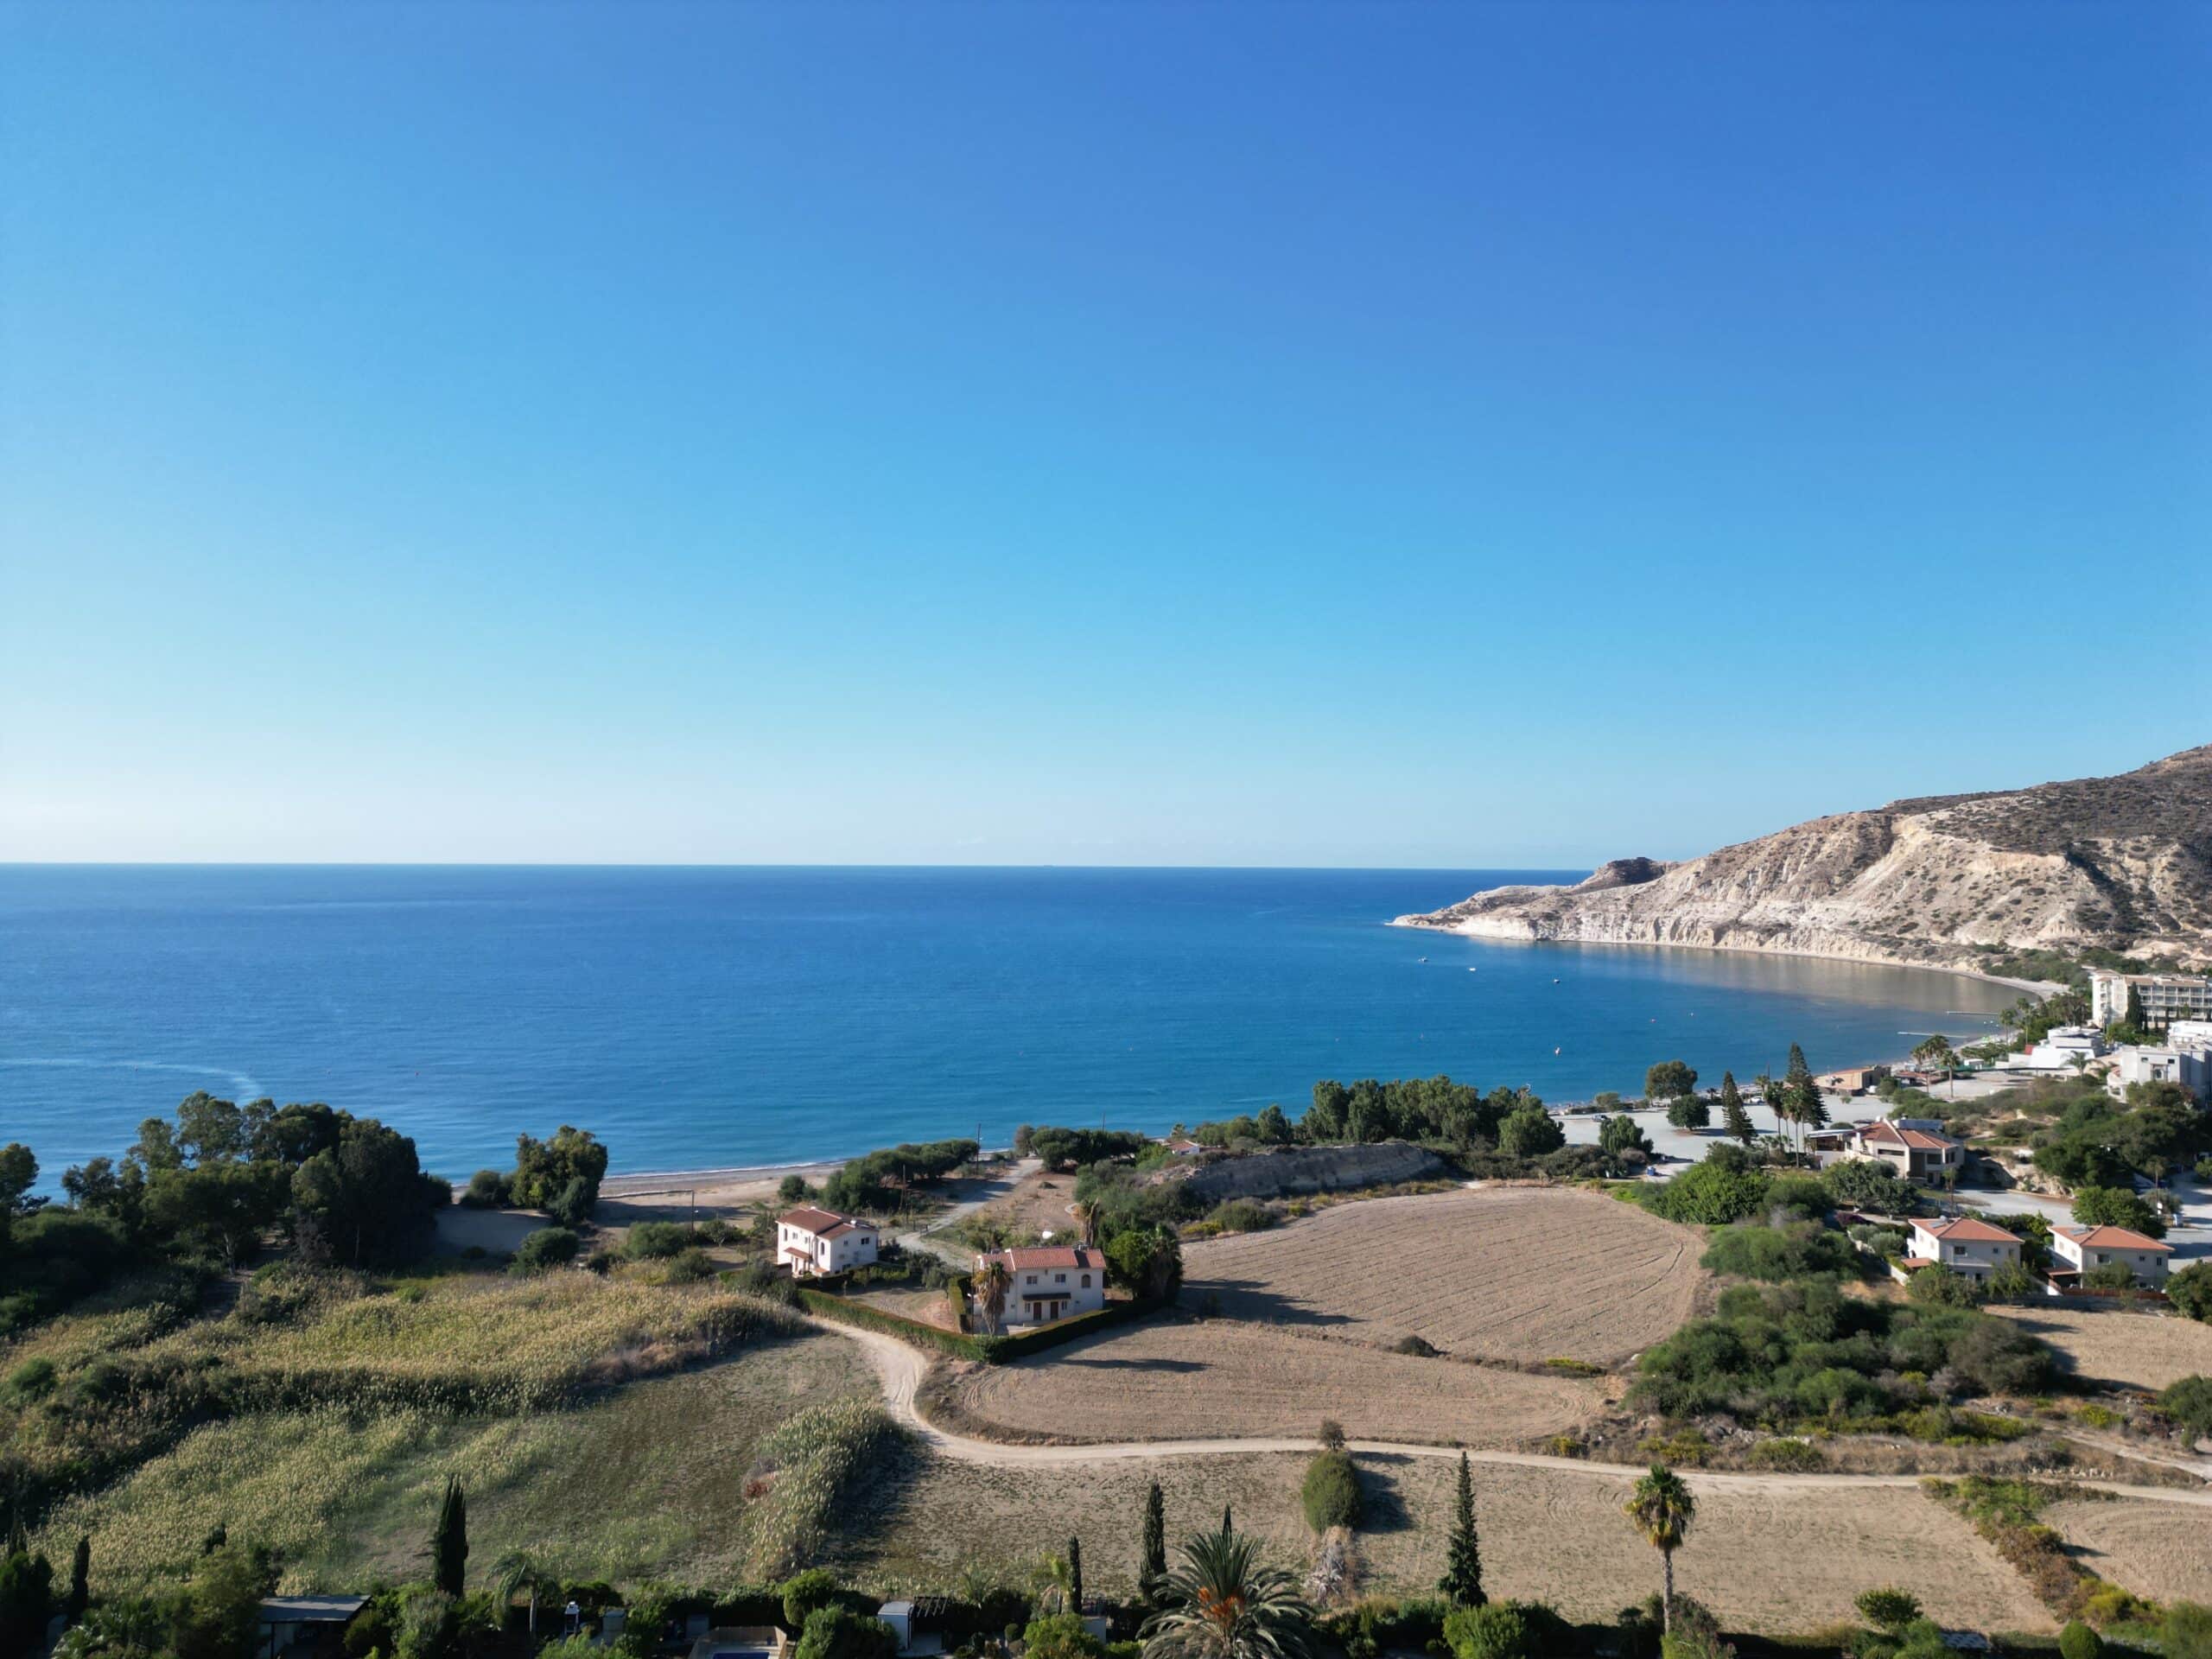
point(2080, 1250)
point(1964, 1245)
point(1049, 1282)
point(810, 1240)
point(1915, 1147)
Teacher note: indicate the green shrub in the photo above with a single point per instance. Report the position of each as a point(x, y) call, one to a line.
point(1505, 1630)
point(2187, 1631)
point(2078, 1641)
point(1331, 1494)
point(689, 1267)
point(486, 1189)
point(32, 1380)
point(1794, 1456)
point(2188, 1403)
point(1888, 1609)
point(1242, 1215)
point(2190, 1289)
point(806, 1591)
point(654, 1241)
point(548, 1247)
point(841, 1633)
point(1775, 1253)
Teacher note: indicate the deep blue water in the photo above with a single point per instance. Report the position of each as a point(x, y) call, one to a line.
point(708, 1017)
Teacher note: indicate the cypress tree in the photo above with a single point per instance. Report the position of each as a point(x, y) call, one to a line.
point(1733, 1118)
point(1154, 1561)
point(1798, 1071)
point(1462, 1583)
point(80, 1574)
point(449, 1542)
point(1075, 1576)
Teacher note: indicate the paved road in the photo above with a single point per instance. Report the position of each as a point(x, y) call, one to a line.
point(900, 1369)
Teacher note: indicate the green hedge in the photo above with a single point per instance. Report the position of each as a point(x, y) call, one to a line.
point(875, 1319)
point(995, 1350)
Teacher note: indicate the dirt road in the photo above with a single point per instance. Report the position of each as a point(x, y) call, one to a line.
point(900, 1369)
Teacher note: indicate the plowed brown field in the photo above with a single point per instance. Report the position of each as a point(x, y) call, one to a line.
point(1177, 1379)
point(2157, 1550)
point(1521, 1273)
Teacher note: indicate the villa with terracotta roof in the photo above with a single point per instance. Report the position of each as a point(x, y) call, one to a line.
point(1051, 1281)
point(1967, 1246)
point(2083, 1249)
point(811, 1241)
point(1914, 1147)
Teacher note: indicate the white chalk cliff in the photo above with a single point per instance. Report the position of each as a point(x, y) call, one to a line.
point(2124, 862)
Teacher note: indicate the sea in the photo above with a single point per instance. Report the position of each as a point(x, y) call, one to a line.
point(697, 1018)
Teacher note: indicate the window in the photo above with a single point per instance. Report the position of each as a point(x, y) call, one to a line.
point(1059, 1278)
point(1086, 1281)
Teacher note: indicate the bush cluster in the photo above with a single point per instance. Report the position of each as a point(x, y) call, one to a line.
point(1788, 1353)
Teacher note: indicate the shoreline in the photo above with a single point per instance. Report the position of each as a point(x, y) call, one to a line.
point(654, 1182)
point(2033, 987)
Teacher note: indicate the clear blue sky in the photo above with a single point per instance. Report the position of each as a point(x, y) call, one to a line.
point(1193, 433)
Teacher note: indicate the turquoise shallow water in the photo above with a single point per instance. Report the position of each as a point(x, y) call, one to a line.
point(698, 1017)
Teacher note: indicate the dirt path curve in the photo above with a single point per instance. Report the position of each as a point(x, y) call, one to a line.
point(900, 1368)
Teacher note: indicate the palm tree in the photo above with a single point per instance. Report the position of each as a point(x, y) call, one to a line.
point(1226, 1604)
point(1662, 1510)
point(1222, 1603)
point(993, 1285)
point(1086, 1218)
point(1775, 1095)
point(517, 1572)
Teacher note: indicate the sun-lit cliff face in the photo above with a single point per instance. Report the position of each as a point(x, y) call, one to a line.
point(2124, 862)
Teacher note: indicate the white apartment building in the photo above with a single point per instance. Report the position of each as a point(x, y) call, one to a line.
point(2065, 1049)
point(2165, 997)
point(2188, 1064)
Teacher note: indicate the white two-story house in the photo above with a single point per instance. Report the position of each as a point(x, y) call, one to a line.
point(1967, 1246)
point(1049, 1282)
point(811, 1241)
point(2079, 1250)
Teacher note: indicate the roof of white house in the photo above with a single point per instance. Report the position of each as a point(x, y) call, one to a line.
point(1967, 1230)
point(1047, 1256)
point(2112, 1238)
point(1889, 1134)
point(824, 1224)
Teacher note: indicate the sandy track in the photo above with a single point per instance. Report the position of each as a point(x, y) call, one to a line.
point(2137, 1350)
point(1506, 1272)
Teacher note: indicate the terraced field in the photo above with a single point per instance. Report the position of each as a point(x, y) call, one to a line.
point(1515, 1274)
point(1171, 1379)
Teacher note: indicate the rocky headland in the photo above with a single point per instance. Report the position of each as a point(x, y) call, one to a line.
point(2124, 864)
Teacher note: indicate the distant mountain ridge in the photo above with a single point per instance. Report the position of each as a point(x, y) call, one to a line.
point(2122, 862)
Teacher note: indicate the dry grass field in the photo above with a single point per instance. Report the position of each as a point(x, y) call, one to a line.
point(1789, 1561)
point(2152, 1549)
point(1516, 1274)
point(646, 1482)
point(2140, 1351)
point(1176, 1379)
